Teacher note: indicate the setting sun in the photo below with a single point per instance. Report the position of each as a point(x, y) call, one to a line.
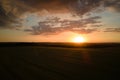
point(78, 39)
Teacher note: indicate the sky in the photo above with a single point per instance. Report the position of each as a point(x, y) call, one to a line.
point(59, 20)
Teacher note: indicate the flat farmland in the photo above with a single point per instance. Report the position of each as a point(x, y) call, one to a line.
point(59, 63)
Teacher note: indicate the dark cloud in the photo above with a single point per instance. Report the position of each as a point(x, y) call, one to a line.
point(112, 30)
point(77, 7)
point(113, 5)
point(78, 26)
point(12, 10)
point(5, 19)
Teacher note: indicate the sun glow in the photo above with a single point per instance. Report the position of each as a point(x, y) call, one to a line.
point(78, 39)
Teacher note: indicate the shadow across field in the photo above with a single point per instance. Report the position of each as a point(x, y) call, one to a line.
point(59, 61)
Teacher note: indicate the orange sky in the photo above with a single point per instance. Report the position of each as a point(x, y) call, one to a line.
point(59, 20)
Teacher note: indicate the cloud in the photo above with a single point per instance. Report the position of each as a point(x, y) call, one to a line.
point(112, 5)
point(85, 31)
point(112, 30)
point(11, 11)
point(78, 26)
point(76, 7)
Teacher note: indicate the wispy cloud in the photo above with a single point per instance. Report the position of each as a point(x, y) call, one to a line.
point(112, 30)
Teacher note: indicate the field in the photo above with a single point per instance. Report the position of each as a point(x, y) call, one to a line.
point(59, 61)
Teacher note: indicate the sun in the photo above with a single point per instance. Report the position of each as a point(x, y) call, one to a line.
point(78, 39)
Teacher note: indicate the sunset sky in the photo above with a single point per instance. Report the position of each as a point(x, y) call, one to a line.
point(59, 20)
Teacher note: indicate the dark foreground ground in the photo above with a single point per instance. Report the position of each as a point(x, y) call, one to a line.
point(56, 62)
